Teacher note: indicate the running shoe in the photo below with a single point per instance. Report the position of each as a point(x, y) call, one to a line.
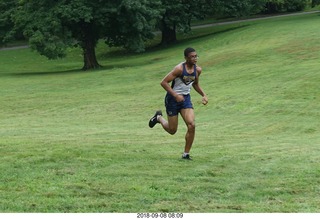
point(153, 121)
point(186, 157)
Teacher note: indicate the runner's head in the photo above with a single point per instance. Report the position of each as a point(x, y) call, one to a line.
point(188, 50)
point(190, 55)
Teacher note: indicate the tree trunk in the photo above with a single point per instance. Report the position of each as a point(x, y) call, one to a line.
point(168, 34)
point(88, 46)
point(89, 57)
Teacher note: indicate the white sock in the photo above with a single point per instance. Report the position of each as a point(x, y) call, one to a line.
point(185, 154)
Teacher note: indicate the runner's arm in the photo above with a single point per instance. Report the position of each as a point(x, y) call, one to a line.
point(197, 87)
point(165, 83)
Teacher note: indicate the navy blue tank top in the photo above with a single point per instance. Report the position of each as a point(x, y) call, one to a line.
point(182, 85)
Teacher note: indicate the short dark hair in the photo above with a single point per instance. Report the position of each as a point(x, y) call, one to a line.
point(188, 50)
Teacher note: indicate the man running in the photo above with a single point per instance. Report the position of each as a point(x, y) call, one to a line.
point(178, 100)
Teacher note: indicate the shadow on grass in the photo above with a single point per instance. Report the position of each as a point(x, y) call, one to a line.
point(121, 54)
point(28, 74)
point(63, 72)
point(57, 73)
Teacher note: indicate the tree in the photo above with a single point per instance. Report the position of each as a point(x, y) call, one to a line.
point(53, 26)
point(170, 19)
point(7, 8)
point(132, 24)
point(275, 6)
point(177, 16)
point(295, 5)
point(314, 3)
point(237, 8)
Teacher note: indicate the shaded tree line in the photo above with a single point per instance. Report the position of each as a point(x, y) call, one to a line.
point(53, 26)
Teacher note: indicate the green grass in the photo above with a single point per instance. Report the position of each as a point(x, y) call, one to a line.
point(73, 141)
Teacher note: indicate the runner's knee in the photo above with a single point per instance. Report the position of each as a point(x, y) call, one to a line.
point(172, 131)
point(191, 127)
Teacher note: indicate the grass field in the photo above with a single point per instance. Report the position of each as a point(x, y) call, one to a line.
point(73, 141)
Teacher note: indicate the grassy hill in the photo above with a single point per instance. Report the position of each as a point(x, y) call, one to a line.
point(73, 141)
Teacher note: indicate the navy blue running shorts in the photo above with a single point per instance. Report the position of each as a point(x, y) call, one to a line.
point(173, 107)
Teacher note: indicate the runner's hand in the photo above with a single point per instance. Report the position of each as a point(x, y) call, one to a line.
point(204, 100)
point(179, 98)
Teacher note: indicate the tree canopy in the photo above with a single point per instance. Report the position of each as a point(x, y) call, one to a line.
point(7, 8)
point(53, 26)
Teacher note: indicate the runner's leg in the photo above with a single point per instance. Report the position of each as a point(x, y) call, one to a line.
point(189, 118)
point(171, 125)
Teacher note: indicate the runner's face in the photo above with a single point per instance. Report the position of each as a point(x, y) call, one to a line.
point(192, 58)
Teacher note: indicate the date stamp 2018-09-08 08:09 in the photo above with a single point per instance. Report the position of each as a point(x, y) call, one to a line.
point(160, 215)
